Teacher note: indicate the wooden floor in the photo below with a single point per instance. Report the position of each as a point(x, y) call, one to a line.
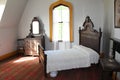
point(21, 68)
point(29, 68)
point(91, 73)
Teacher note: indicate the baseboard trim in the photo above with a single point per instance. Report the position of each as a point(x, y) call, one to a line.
point(8, 55)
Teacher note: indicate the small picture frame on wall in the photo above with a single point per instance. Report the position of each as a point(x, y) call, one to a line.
point(117, 13)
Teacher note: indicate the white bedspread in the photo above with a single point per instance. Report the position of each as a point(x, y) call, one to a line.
point(77, 57)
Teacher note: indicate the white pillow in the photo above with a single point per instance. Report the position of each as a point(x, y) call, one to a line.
point(85, 48)
point(76, 46)
point(88, 49)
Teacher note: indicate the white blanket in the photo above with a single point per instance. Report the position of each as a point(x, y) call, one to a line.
point(77, 57)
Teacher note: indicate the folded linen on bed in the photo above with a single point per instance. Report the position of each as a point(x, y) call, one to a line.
point(58, 60)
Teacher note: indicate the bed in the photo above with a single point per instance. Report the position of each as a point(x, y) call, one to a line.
point(79, 56)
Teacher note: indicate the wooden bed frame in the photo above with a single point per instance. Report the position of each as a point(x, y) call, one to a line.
point(90, 38)
point(87, 37)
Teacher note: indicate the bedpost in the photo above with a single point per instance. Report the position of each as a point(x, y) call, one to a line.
point(42, 58)
point(79, 35)
point(100, 34)
point(39, 53)
point(45, 65)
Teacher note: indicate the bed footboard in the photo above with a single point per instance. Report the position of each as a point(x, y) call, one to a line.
point(45, 65)
point(42, 58)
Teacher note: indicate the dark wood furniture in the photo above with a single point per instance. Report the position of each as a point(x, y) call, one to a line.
point(31, 45)
point(41, 54)
point(88, 37)
point(20, 46)
point(116, 45)
point(110, 66)
point(42, 58)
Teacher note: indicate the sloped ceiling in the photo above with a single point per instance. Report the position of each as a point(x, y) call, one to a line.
point(12, 13)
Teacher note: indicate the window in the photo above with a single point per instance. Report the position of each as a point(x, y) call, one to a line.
point(2, 7)
point(61, 21)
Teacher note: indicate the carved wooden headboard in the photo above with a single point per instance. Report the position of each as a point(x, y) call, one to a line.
point(89, 37)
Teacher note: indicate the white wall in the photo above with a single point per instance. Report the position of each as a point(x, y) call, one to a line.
point(81, 9)
point(7, 40)
point(9, 24)
point(108, 25)
point(109, 28)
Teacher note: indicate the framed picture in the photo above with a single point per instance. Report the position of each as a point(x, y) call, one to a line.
point(117, 13)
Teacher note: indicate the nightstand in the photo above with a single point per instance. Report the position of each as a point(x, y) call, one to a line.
point(109, 66)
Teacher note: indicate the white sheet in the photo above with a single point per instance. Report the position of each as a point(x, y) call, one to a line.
point(94, 57)
point(77, 57)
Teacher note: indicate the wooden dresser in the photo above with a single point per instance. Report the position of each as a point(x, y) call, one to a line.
point(31, 45)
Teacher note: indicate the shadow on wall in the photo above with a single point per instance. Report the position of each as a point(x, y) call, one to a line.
point(106, 44)
point(48, 44)
point(42, 30)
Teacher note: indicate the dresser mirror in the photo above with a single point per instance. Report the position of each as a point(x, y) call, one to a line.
point(35, 26)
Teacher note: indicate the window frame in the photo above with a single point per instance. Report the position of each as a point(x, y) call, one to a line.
point(2, 6)
point(52, 6)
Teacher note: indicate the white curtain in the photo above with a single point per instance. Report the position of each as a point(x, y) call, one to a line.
point(55, 45)
point(61, 45)
point(64, 45)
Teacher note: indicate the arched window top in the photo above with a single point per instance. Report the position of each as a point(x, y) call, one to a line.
point(61, 13)
point(61, 4)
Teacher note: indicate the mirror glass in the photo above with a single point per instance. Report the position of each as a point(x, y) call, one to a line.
point(35, 26)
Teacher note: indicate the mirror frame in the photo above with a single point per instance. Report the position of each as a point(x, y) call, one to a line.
point(32, 26)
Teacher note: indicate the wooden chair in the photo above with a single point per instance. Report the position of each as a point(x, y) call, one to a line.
point(111, 65)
